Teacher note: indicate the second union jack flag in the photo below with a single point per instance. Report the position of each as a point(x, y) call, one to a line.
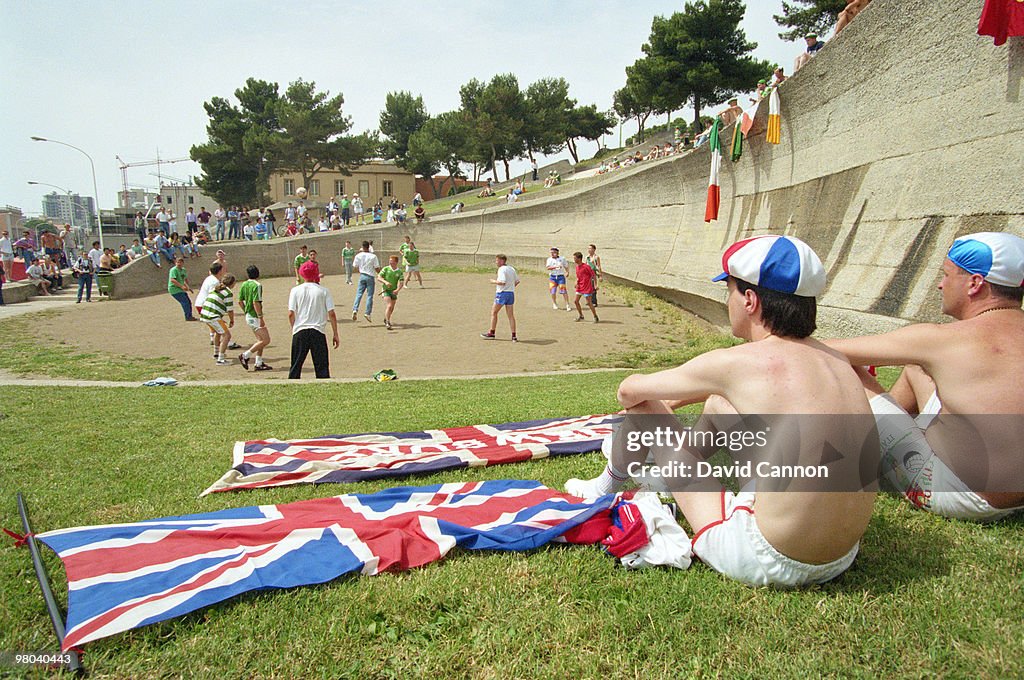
point(360, 457)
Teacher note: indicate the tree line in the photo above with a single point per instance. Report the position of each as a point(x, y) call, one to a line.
point(697, 57)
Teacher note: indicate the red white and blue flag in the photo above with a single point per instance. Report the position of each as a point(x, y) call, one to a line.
point(122, 576)
point(361, 457)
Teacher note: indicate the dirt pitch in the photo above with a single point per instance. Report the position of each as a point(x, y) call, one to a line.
point(436, 330)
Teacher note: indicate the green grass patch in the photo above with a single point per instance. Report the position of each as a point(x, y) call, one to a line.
point(24, 351)
point(681, 337)
point(926, 596)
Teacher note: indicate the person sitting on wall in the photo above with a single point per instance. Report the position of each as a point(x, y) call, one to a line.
point(34, 272)
point(731, 114)
point(420, 213)
point(51, 272)
point(813, 45)
point(853, 8)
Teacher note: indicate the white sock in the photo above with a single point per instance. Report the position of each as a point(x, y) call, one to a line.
point(609, 481)
point(259, 361)
point(245, 354)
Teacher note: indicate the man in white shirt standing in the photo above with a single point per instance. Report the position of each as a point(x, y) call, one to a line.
point(7, 255)
point(310, 307)
point(504, 296)
point(558, 268)
point(163, 221)
point(219, 216)
point(96, 255)
point(368, 266)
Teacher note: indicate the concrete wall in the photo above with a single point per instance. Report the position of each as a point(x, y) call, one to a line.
point(904, 132)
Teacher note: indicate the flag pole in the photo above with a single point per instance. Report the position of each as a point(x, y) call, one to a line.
point(74, 663)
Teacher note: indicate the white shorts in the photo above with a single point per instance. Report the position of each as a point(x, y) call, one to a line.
point(253, 322)
point(218, 326)
point(911, 467)
point(412, 268)
point(734, 546)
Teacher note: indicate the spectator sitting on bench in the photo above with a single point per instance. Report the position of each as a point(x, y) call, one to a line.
point(51, 272)
point(35, 274)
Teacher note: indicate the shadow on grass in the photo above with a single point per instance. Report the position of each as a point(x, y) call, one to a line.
point(896, 551)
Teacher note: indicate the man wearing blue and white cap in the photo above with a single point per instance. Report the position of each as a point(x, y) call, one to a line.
point(779, 539)
point(972, 368)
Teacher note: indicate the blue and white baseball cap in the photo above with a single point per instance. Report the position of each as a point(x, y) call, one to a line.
point(780, 263)
point(997, 256)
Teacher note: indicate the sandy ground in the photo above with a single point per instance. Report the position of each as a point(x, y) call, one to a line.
point(436, 330)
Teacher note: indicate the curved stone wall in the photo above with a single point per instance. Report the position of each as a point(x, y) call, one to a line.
point(904, 132)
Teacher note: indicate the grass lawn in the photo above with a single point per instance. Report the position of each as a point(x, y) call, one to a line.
point(24, 351)
point(925, 597)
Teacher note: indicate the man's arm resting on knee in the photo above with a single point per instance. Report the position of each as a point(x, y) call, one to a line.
point(915, 344)
point(690, 383)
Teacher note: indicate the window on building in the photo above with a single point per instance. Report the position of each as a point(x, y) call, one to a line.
point(170, 200)
point(339, 187)
point(191, 200)
point(289, 187)
point(314, 187)
point(387, 188)
point(364, 188)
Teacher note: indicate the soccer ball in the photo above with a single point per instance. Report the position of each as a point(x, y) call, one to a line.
point(301, 192)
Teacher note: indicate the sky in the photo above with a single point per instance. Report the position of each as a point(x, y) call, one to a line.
point(129, 79)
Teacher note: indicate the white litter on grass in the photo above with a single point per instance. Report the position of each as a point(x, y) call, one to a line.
point(160, 382)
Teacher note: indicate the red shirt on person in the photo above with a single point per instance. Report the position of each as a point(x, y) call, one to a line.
point(584, 278)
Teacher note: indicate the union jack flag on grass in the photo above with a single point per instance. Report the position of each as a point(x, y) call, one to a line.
point(122, 576)
point(361, 457)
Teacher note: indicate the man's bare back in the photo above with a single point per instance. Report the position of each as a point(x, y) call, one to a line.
point(802, 378)
point(974, 366)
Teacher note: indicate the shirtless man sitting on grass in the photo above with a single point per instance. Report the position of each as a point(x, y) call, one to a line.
point(787, 538)
point(955, 374)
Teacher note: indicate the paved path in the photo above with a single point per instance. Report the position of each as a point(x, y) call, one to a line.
point(7, 378)
point(59, 300)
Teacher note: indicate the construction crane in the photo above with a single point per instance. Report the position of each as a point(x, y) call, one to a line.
point(158, 162)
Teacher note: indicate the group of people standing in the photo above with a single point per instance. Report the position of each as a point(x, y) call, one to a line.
point(214, 305)
point(310, 305)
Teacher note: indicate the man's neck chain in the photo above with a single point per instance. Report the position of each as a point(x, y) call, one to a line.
point(996, 309)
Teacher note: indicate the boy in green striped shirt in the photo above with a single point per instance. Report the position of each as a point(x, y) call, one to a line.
point(391, 277)
point(219, 304)
point(250, 299)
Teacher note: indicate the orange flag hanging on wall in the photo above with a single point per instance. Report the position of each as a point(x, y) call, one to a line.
point(774, 134)
point(1001, 19)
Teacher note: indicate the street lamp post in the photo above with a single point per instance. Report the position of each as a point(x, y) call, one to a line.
point(71, 205)
point(95, 190)
point(71, 202)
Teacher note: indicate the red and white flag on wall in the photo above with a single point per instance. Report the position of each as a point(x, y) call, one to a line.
point(714, 184)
